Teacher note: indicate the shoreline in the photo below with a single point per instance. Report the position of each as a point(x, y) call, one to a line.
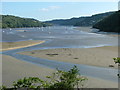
point(14, 69)
point(99, 56)
point(89, 29)
point(20, 44)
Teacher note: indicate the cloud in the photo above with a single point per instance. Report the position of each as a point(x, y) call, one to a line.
point(50, 8)
point(44, 9)
point(54, 7)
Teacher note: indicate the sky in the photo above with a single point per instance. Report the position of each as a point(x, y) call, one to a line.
point(44, 11)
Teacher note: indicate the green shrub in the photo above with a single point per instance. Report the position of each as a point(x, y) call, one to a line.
point(117, 61)
point(66, 80)
point(27, 82)
point(3, 87)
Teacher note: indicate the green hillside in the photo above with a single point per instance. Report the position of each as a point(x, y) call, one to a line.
point(109, 24)
point(81, 21)
point(9, 21)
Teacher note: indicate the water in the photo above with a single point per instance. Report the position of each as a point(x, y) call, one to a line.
point(61, 37)
point(92, 71)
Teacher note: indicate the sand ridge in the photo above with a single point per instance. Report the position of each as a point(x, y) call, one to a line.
point(20, 44)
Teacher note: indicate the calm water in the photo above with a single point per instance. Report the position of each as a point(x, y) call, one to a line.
point(59, 36)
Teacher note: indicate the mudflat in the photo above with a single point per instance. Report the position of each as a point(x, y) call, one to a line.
point(14, 69)
point(99, 56)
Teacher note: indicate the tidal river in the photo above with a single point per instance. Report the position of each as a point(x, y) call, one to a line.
point(61, 37)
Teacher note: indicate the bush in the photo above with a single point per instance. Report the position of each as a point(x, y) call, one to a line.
point(66, 80)
point(117, 61)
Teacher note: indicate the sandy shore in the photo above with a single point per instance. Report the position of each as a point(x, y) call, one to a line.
point(90, 29)
point(14, 69)
point(100, 56)
point(20, 44)
point(84, 29)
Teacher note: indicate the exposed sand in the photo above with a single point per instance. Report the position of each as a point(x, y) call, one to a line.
point(90, 29)
point(14, 69)
point(100, 56)
point(20, 30)
point(84, 29)
point(20, 44)
point(100, 83)
point(114, 35)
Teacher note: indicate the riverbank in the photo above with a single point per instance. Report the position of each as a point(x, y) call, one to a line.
point(14, 69)
point(100, 56)
point(84, 29)
point(93, 30)
point(16, 45)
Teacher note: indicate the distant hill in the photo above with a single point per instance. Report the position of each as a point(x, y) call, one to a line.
point(9, 21)
point(109, 24)
point(81, 21)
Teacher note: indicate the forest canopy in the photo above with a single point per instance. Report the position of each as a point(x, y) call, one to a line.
point(9, 21)
point(109, 24)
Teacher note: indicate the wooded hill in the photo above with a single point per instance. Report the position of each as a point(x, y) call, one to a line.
point(81, 21)
point(109, 24)
point(9, 21)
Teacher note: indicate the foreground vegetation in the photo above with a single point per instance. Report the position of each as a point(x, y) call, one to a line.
point(9, 21)
point(67, 80)
point(117, 61)
point(60, 80)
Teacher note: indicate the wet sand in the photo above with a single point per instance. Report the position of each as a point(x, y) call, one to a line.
point(14, 69)
point(84, 29)
point(100, 56)
point(20, 44)
point(90, 29)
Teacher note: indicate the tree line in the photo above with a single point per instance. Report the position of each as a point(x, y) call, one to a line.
point(9, 21)
point(81, 21)
point(110, 23)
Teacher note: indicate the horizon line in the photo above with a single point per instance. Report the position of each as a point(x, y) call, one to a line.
point(59, 18)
